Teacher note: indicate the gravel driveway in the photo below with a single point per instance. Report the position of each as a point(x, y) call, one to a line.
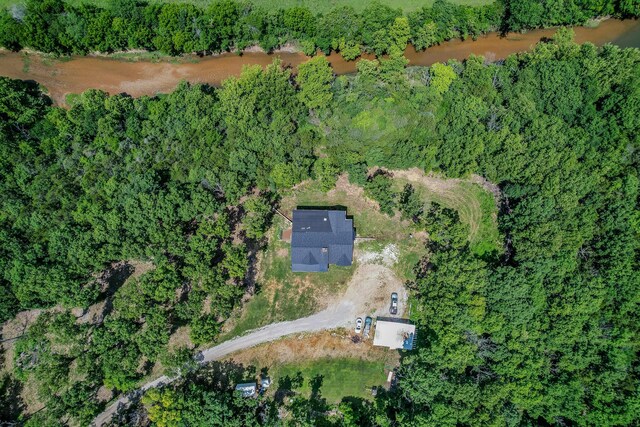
point(367, 294)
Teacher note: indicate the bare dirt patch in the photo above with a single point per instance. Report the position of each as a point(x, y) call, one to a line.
point(180, 338)
point(387, 256)
point(140, 267)
point(15, 328)
point(370, 289)
point(353, 193)
point(94, 314)
point(432, 183)
point(30, 398)
point(104, 394)
point(286, 235)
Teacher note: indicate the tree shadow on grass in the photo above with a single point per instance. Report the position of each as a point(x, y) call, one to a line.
point(222, 375)
point(287, 385)
point(316, 385)
point(11, 403)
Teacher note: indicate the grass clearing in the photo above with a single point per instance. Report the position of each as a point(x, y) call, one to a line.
point(475, 205)
point(316, 6)
point(367, 218)
point(347, 368)
point(336, 378)
point(284, 295)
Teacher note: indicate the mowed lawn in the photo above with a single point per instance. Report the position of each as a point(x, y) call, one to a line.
point(476, 208)
point(318, 6)
point(333, 378)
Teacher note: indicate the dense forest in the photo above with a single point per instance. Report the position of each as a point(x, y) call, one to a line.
point(54, 26)
point(545, 333)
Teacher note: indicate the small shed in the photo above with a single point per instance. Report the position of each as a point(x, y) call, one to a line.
point(247, 389)
point(394, 334)
point(265, 382)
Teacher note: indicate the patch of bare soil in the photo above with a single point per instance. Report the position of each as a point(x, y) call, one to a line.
point(140, 267)
point(387, 256)
point(253, 49)
point(104, 394)
point(94, 314)
point(355, 194)
point(15, 328)
point(30, 398)
point(206, 306)
point(370, 289)
point(180, 338)
point(322, 345)
point(432, 183)
point(157, 370)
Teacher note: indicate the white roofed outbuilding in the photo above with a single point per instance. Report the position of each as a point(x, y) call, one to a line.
point(394, 334)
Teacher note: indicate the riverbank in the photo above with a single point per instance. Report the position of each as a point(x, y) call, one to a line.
point(160, 75)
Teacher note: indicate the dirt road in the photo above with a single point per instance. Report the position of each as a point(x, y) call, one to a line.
point(367, 294)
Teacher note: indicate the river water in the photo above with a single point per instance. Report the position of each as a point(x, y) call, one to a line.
point(78, 73)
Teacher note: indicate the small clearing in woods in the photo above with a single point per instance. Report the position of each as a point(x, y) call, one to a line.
point(347, 368)
point(282, 294)
point(395, 243)
point(368, 219)
point(474, 199)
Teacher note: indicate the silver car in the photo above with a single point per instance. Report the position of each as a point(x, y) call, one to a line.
point(358, 325)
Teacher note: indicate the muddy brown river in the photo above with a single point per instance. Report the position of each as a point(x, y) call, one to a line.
point(137, 78)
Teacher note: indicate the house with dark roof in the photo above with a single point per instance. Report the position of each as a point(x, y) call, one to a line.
point(320, 238)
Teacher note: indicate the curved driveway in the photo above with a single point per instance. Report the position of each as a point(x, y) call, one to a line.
point(367, 293)
point(334, 317)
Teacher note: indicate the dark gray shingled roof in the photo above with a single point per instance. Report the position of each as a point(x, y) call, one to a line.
point(320, 238)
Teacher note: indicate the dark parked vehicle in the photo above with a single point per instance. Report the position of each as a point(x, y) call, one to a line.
point(367, 326)
point(394, 304)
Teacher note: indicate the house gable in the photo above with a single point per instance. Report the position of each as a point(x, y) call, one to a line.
point(320, 238)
